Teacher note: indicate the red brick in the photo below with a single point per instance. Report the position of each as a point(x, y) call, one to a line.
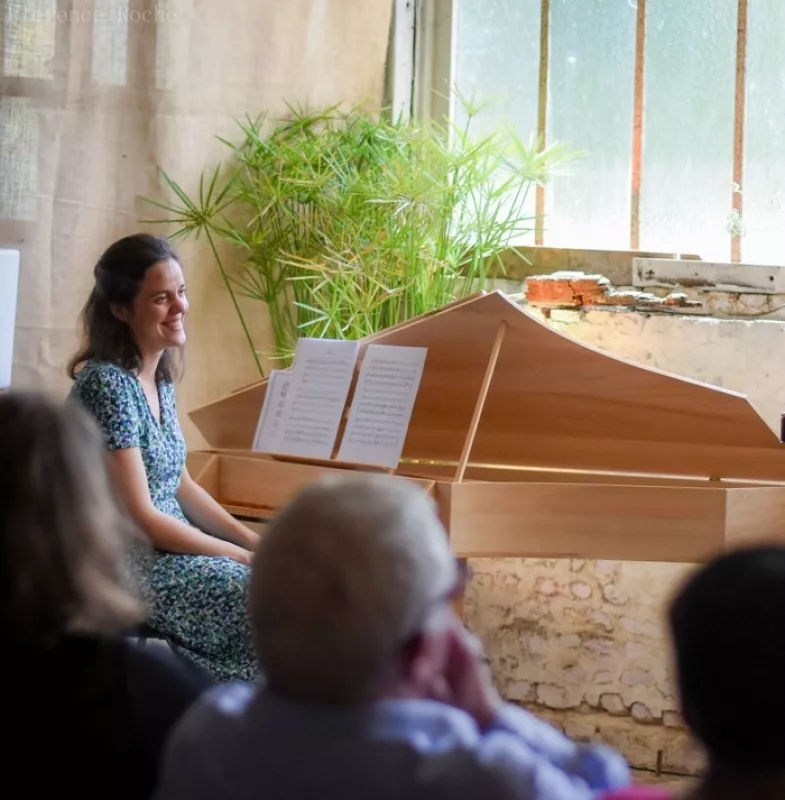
point(591, 287)
point(548, 291)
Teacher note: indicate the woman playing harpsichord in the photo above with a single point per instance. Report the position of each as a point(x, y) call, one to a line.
point(195, 576)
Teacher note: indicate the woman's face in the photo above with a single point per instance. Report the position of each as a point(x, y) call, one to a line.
point(159, 308)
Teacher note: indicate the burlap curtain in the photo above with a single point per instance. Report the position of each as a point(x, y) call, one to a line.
point(95, 95)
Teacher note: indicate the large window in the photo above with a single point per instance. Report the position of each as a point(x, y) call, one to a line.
point(678, 109)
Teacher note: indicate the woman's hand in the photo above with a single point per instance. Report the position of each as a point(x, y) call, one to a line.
point(208, 515)
point(167, 533)
point(239, 554)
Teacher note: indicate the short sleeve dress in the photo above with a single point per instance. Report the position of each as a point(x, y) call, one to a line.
point(198, 603)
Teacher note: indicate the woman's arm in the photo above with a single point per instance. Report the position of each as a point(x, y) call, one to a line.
point(210, 516)
point(165, 532)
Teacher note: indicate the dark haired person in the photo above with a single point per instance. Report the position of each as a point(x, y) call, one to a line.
point(87, 711)
point(195, 578)
point(728, 630)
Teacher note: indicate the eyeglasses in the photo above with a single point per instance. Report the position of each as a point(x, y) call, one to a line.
point(456, 591)
point(463, 576)
point(452, 596)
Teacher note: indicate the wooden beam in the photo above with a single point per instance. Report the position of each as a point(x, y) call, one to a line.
point(739, 113)
point(637, 127)
point(542, 114)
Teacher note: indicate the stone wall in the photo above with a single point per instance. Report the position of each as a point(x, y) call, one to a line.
point(583, 643)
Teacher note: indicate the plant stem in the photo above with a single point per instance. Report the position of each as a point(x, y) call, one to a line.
point(235, 303)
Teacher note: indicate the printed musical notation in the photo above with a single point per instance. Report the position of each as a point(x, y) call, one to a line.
point(268, 429)
point(307, 405)
point(382, 406)
point(304, 405)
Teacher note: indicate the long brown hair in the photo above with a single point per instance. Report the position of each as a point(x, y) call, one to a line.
point(118, 277)
point(62, 537)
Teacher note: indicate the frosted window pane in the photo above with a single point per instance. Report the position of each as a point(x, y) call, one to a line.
point(591, 93)
point(764, 171)
point(110, 42)
point(688, 126)
point(497, 60)
point(29, 38)
point(497, 65)
point(18, 159)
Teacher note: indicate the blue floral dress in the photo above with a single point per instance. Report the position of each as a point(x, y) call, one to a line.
point(196, 602)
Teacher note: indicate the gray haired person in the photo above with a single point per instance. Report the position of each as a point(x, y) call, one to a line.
point(374, 689)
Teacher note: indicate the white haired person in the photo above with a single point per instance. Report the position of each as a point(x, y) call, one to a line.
point(374, 689)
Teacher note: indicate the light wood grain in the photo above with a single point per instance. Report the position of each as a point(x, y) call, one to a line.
point(616, 518)
point(247, 485)
point(506, 474)
point(208, 476)
point(553, 403)
point(576, 453)
point(350, 466)
point(628, 523)
point(755, 516)
point(254, 514)
point(196, 461)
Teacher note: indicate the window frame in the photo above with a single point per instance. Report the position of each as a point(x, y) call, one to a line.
point(434, 31)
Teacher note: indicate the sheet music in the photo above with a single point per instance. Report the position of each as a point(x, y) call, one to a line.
point(320, 380)
point(382, 406)
point(268, 430)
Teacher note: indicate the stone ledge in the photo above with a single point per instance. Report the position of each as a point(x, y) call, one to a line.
point(520, 262)
point(706, 276)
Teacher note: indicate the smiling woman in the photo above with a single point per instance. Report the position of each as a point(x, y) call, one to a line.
point(195, 577)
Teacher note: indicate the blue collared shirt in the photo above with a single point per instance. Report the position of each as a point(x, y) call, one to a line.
point(238, 744)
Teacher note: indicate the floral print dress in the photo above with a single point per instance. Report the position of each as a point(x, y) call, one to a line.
point(196, 602)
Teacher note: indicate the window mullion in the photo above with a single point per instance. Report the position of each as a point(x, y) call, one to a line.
point(637, 126)
point(542, 113)
point(401, 60)
point(434, 59)
point(737, 198)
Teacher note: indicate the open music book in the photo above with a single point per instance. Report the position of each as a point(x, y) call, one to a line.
point(304, 405)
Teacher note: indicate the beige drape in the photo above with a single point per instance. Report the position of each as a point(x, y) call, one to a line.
point(96, 94)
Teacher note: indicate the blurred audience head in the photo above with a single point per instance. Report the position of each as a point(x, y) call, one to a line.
point(62, 537)
point(728, 628)
point(351, 594)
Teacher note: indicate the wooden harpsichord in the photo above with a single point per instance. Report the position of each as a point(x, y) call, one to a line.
point(536, 445)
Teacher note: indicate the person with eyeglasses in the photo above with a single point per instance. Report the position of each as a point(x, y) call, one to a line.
point(374, 688)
